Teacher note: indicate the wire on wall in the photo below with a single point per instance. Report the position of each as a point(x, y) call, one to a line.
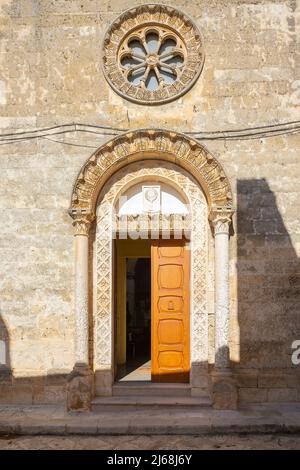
point(259, 132)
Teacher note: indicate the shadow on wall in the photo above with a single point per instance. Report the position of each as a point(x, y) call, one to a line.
point(268, 296)
point(5, 368)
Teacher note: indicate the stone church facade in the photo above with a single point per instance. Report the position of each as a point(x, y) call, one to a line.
point(188, 112)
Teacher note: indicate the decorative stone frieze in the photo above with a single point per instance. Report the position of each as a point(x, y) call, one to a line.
point(148, 144)
point(154, 223)
point(152, 54)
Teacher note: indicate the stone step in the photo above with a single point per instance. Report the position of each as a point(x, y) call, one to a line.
point(150, 389)
point(117, 403)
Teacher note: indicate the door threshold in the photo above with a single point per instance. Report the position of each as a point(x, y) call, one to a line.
point(148, 383)
point(149, 403)
point(151, 389)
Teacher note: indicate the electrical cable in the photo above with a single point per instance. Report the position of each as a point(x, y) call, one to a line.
point(258, 132)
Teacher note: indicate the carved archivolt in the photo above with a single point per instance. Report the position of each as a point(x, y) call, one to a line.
point(103, 318)
point(152, 54)
point(150, 144)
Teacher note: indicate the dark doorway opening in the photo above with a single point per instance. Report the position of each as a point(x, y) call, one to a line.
point(138, 320)
point(138, 308)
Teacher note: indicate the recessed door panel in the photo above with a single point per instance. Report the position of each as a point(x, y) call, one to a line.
point(170, 356)
point(171, 360)
point(170, 331)
point(170, 251)
point(170, 276)
point(170, 304)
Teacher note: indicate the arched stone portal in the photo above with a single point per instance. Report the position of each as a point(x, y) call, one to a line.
point(103, 316)
point(99, 180)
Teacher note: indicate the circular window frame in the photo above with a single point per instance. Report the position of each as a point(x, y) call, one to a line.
point(156, 16)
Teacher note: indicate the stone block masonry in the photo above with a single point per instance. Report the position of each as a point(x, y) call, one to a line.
point(51, 74)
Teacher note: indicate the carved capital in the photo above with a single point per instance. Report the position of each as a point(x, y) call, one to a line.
point(82, 226)
point(221, 219)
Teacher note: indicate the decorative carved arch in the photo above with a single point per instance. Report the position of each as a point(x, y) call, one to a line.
point(150, 144)
point(166, 147)
point(103, 314)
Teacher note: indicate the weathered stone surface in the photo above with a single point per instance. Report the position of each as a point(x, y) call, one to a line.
point(51, 75)
point(79, 388)
point(139, 442)
point(283, 395)
point(224, 391)
point(55, 420)
point(253, 395)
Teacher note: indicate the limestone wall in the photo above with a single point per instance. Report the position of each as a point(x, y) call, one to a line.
point(51, 75)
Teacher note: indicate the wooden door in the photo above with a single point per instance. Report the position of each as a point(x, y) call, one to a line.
point(170, 355)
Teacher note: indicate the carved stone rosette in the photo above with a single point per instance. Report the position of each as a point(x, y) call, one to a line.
point(152, 54)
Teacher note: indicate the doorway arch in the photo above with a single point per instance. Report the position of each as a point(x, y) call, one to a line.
point(166, 148)
point(123, 179)
point(143, 144)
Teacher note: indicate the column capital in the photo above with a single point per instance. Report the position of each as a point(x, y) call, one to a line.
point(82, 219)
point(82, 225)
point(221, 219)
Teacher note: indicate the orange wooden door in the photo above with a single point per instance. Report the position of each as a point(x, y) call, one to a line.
point(170, 345)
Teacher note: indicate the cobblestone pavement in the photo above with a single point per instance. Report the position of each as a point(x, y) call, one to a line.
point(234, 442)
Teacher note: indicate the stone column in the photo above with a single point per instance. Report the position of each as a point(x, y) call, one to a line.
point(80, 381)
point(223, 386)
point(82, 227)
point(221, 221)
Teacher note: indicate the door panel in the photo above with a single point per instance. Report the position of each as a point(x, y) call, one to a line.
point(170, 276)
point(170, 356)
point(170, 331)
point(170, 303)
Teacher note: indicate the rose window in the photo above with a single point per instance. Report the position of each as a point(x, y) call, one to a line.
point(152, 59)
point(152, 54)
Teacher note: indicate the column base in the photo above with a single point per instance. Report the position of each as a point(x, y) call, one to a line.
point(80, 388)
point(104, 382)
point(223, 390)
point(6, 375)
point(199, 380)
